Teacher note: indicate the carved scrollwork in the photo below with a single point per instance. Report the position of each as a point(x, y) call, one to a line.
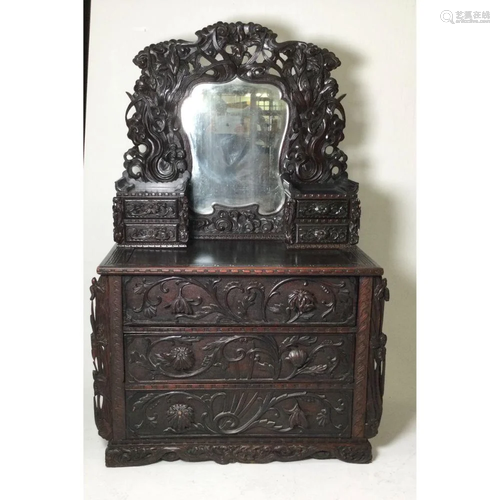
point(150, 208)
point(245, 220)
point(153, 233)
point(234, 412)
point(222, 300)
point(222, 52)
point(322, 209)
point(100, 355)
point(322, 234)
point(237, 357)
point(376, 370)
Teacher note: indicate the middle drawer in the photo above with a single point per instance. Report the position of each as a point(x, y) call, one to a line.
point(256, 357)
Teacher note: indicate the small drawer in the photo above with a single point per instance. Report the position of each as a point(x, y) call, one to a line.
point(234, 412)
point(150, 233)
point(236, 358)
point(264, 300)
point(323, 209)
point(322, 233)
point(151, 209)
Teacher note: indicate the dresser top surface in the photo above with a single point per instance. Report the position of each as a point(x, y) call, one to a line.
point(241, 257)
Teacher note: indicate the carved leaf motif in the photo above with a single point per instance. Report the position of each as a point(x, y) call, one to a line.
point(314, 370)
point(149, 311)
point(322, 417)
point(141, 401)
point(140, 288)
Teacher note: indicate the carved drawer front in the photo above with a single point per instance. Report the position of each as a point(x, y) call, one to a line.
point(240, 357)
point(204, 300)
point(323, 209)
point(151, 209)
point(150, 233)
point(322, 233)
point(234, 412)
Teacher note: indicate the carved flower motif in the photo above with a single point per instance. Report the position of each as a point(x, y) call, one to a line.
point(297, 417)
point(180, 417)
point(182, 358)
point(322, 417)
point(301, 301)
point(297, 357)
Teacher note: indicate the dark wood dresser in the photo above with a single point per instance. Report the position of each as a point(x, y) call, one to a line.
point(246, 352)
point(236, 320)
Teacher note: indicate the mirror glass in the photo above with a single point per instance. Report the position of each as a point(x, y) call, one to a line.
point(236, 131)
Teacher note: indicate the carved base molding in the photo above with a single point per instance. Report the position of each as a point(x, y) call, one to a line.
point(224, 452)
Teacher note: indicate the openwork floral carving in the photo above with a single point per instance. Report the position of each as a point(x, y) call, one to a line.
point(222, 52)
point(100, 357)
point(376, 363)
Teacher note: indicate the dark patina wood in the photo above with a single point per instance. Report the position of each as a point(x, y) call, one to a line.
point(205, 362)
point(208, 347)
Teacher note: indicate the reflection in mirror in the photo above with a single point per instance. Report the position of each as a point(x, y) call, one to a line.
point(236, 131)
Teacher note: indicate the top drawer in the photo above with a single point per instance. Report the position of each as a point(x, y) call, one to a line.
point(205, 300)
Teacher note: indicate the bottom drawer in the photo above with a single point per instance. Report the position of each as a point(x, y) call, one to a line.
point(230, 412)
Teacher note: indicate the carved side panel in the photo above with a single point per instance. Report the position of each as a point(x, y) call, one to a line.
point(231, 412)
point(354, 221)
point(184, 220)
point(376, 363)
point(208, 300)
point(118, 225)
point(361, 357)
point(289, 220)
point(99, 314)
point(240, 357)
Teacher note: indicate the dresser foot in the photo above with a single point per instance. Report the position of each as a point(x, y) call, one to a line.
point(123, 455)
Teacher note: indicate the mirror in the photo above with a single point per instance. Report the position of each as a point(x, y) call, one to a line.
point(236, 132)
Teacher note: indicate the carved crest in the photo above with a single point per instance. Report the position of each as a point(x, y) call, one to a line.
point(222, 52)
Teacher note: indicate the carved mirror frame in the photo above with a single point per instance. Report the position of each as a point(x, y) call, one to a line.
point(321, 207)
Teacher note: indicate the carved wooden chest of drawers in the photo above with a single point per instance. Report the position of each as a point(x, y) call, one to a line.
point(236, 319)
point(277, 357)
